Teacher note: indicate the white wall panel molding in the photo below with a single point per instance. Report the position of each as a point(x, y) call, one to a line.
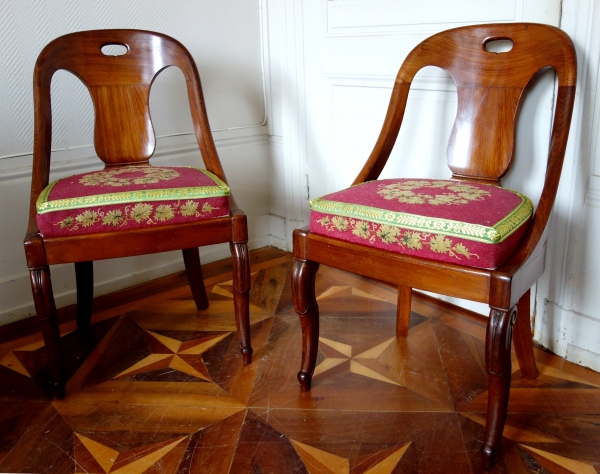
point(571, 319)
point(294, 118)
point(432, 82)
point(592, 197)
point(410, 17)
point(82, 159)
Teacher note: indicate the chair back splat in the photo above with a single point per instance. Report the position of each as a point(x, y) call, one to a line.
point(466, 237)
point(490, 90)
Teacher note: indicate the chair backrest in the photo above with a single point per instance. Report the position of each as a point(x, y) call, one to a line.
point(120, 90)
point(490, 90)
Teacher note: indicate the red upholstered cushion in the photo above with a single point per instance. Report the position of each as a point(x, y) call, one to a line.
point(472, 224)
point(130, 197)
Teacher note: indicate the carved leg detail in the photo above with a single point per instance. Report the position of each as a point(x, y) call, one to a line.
point(241, 297)
point(498, 365)
point(84, 276)
point(305, 304)
point(43, 298)
point(191, 259)
point(523, 340)
point(403, 315)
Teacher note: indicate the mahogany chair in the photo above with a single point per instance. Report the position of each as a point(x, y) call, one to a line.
point(128, 208)
point(466, 237)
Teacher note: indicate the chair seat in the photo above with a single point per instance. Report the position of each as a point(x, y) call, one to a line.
point(130, 197)
point(473, 224)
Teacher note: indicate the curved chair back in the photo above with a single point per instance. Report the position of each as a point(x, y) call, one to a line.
point(120, 91)
point(490, 91)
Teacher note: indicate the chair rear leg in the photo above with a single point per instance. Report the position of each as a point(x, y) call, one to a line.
point(84, 277)
point(403, 315)
point(498, 365)
point(191, 259)
point(241, 297)
point(522, 338)
point(305, 304)
point(43, 298)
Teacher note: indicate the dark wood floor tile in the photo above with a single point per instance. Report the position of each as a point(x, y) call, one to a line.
point(263, 449)
point(366, 439)
point(15, 386)
point(226, 367)
point(465, 376)
point(123, 346)
point(16, 418)
point(47, 446)
point(267, 286)
point(211, 449)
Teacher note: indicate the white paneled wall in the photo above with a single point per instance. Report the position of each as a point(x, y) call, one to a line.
point(224, 36)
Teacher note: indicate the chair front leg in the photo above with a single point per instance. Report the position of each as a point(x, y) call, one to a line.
point(498, 366)
point(241, 297)
point(305, 304)
point(43, 298)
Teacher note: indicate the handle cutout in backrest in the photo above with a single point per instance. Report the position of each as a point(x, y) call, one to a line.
point(114, 49)
point(498, 45)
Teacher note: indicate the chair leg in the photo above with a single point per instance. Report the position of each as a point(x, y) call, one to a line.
point(498, 365)
point(84, 277)
point(43, 298)
point(305, 304)
point(523, 340)
point(191, 259)
point(403, 315)
point(241, 297)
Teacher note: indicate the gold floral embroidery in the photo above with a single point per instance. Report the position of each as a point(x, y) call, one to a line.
point(440, 244)
point(66, 222)
point(164, 213)
point(190, 208)
point(206, 207)
point(340, 223)
point(412, 240)
point(361, 229)
point(141, 212)
point(389, 234)
point(87, 218)
point(459, 193)
point(114, 217)
point(114, 177)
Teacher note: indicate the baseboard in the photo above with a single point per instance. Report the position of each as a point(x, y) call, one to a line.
point(572, 335)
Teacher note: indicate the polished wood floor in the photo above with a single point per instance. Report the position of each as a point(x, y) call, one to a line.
point(164, 389)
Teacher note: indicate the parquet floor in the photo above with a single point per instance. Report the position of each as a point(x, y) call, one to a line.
point(164, 390)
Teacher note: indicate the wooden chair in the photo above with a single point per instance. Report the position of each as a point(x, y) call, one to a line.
point(414, 234)
point(130, 207)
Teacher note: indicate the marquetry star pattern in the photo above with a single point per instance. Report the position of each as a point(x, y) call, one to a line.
point(355, 364)
point(94, 457)
point(183, 356)
point(317, 460)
